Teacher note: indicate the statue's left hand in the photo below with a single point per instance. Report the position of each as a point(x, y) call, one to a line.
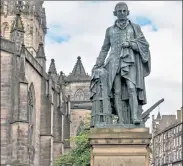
point(125, 44)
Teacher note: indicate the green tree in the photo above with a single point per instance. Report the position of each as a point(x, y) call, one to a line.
point(80, 154)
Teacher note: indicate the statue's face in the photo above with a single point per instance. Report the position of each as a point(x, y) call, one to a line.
point(122, 12)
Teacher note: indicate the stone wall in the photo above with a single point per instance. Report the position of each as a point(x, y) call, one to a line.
point(6, 103)
point(33, 77)
point(45, 150)
point(83, 87)
point(77, 117)
point(20, 150)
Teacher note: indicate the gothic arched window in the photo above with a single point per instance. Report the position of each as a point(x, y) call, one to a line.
point(31, 111)
point(79, 95)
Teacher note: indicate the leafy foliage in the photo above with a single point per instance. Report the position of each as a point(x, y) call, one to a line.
point(80, 154)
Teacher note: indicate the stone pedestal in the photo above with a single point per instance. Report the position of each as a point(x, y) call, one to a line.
point(120, 146)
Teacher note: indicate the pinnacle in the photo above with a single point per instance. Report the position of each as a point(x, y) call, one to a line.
point(40, 53)
point(52, 68)
point(158, 116)
point(18, 24)
point(78, 68)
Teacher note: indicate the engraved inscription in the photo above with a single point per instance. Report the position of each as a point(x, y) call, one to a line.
point(119, 161)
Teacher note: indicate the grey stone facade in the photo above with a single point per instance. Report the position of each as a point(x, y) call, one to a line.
point(167, 139)
point(35, 112)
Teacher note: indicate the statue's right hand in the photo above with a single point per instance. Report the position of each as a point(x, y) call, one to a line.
point(125, 44)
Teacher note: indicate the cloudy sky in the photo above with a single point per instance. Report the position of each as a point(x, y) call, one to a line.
point(77, 28)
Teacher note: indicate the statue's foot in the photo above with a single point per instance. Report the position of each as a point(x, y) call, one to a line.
point(136, 121)
point(121, 122)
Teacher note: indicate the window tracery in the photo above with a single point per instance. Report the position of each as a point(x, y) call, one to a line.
point(79, 95)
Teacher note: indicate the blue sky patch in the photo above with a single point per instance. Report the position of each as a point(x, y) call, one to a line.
point(142, 21)
point(97, 1)
point(58, 39)
point(54, 32)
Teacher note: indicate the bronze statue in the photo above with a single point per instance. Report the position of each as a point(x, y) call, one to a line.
point(127, 65)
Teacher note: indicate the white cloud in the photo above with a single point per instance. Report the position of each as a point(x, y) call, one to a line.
point(86, 22)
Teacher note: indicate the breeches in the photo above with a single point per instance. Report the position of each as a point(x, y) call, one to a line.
point(117, 86)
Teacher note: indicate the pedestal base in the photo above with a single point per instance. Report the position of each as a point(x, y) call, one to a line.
point(120, 147)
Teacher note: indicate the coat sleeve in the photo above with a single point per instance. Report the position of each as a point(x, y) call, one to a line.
point(104, 50)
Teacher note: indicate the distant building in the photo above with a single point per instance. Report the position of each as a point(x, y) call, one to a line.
point(77, 87)
point(167, 139)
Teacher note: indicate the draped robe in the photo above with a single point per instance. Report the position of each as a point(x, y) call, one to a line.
point(132, 63)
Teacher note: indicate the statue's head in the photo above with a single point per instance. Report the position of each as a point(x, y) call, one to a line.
point(121, 11)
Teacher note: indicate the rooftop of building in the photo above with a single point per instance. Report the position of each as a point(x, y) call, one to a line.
point(177, 123)
point(167, 122)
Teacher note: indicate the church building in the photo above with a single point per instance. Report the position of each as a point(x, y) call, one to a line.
point(35, 108)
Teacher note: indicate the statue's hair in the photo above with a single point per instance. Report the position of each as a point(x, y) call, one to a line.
point(120, 4)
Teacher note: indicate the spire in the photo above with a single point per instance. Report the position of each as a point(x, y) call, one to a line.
point(40, 53)
point(78, 73)
point(158, 116)
point(78, 68)
point(52, 68)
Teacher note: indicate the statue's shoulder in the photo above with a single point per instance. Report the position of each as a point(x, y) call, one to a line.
point(109, 28)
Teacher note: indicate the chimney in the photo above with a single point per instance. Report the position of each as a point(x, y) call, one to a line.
point(179, 115)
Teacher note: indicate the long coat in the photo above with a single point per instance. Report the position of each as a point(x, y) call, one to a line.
point(126, 61)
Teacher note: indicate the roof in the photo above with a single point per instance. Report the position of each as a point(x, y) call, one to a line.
point(177, 123)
